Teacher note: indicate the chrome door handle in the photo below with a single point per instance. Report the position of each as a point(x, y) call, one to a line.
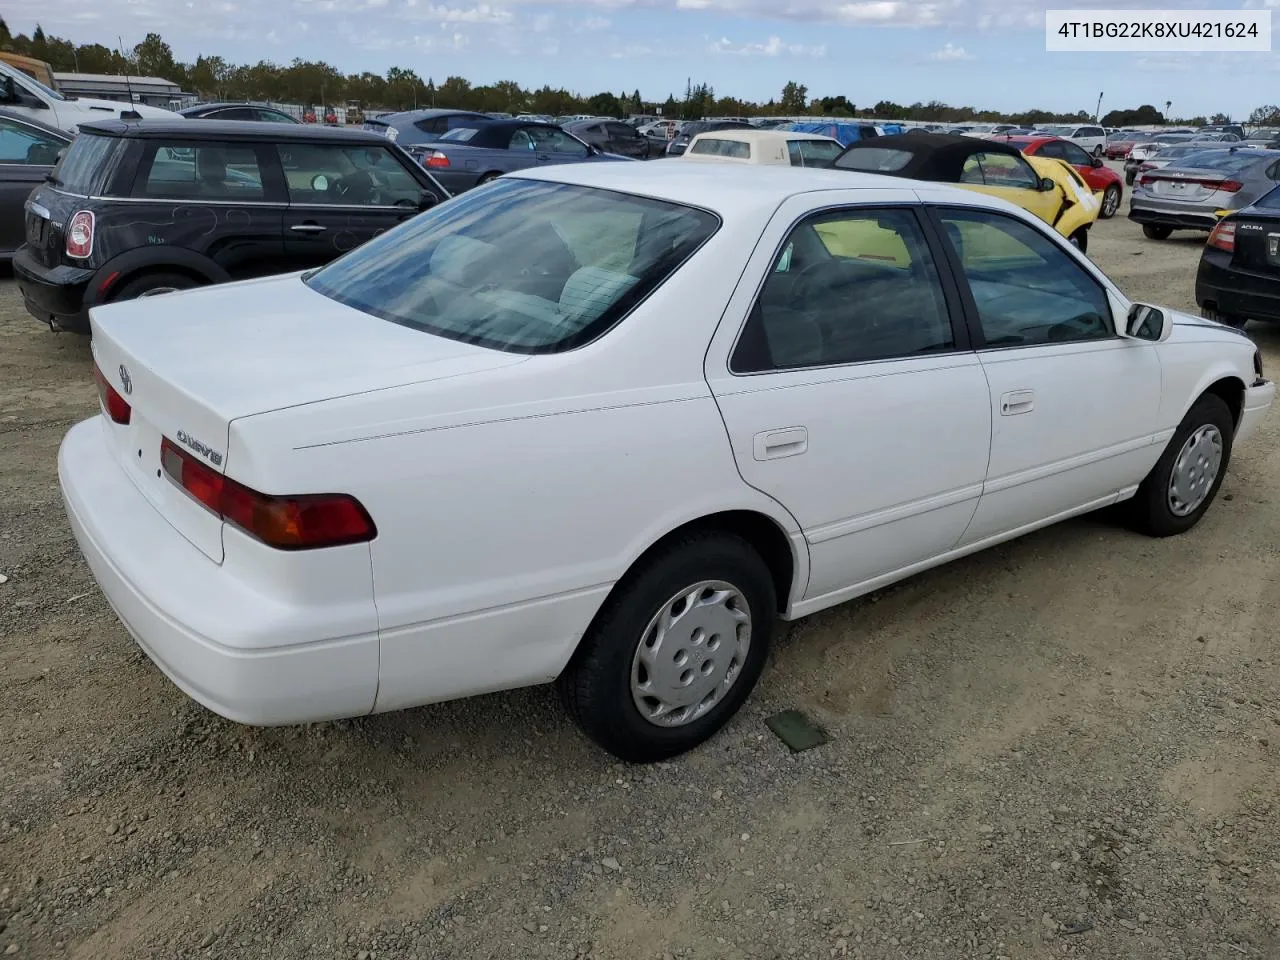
point(1017, 401)
point(775, 444)
point(307, 228)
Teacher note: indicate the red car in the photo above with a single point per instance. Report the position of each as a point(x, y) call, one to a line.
point(1095, 174)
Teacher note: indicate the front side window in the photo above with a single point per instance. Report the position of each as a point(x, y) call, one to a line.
point(1028, 290)
point(1074, 154)
point(849, 286)
point(26, 145)
point(199, 171)
point(714, 147)
point(999, 170)
point(551, 140)
point(365, 176)
point(522, 266)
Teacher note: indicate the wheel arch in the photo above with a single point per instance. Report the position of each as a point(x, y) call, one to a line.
point(1231, 390)
point(131, 264)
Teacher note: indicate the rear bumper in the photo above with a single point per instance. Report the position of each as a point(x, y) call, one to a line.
point(187, 613)
point(1257, 401)
point(1164, 215)
point(53, 295)
point(1236, 292)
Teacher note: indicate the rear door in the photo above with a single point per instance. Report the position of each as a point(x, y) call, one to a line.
point(623, 140)
point(341, 195)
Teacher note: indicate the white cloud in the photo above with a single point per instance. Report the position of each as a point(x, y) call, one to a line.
point(439, 13)
point(950, 52)
point(773, 47)
point(592, 24)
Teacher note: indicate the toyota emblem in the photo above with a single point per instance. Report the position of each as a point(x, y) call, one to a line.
point(126, 382)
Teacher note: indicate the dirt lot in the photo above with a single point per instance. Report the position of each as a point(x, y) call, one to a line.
point(1063, 747)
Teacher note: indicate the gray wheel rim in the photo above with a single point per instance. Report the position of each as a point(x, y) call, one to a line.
point(157, 291)
point(1110, 201)
point(1195, 470)
point(691, 653)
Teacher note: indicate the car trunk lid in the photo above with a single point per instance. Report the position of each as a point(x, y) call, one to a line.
point(1257, 244)
point(1190, 185)
point(45, 216)
point(190, 363)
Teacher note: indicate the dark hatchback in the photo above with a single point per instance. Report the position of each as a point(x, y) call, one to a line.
point(613, 136)
point(154, 206)
point(28, 151)
point(1239, 275)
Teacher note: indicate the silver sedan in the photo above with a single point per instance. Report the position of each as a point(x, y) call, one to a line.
point(1193, 193)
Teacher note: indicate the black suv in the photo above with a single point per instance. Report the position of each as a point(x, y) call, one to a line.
point(152, 206)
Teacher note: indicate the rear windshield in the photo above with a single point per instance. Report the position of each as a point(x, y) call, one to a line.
point(1223, 161)
point(521, 266)
point(722, 148)
point(460, 134)
point(82, 169)
point(875, 159)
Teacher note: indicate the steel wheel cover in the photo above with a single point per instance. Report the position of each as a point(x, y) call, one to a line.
point(1195, 470)
point(691, 653)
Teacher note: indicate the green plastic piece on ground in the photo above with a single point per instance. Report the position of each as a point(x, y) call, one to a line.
point(797, 731)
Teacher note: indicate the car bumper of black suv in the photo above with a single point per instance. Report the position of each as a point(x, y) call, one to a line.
point(1235, 292)
point(54, 295)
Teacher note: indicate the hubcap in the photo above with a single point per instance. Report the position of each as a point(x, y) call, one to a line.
point(691, 653)
point(156, 291)
point(1195, 470)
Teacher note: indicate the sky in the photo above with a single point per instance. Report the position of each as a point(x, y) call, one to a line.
point(983, 53)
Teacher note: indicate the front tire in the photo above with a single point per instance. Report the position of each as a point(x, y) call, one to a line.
point(1110, 202)
point(1229, 319)
point(1097, 151)
point(1153, 231)
point(1185, 480)
point(1080, 240)
point(676, 649)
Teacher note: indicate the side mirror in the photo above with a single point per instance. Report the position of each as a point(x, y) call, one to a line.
point(427, 200)
point(8, 91)
point(1145, 322)
point(1047, 184)
point(1095, 162)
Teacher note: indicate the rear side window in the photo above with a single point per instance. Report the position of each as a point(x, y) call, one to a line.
point(199, 171)
point(522, 266)
point(84, 168)
point(435, 125)
point(812, 153)
point(875, 160)
point(714, 147)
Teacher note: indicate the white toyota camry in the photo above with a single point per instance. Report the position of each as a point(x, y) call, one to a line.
point(605, 424)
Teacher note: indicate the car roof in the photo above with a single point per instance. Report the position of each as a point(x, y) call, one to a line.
point(223, 105)
point(761, 136)
point(1027, 140)
point(31, 122)
point(937, 157)
point(411, 116)
point(179, 128)
point(728, 189)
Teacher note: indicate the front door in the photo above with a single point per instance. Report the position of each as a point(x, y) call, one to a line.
point(848, 390)
point(1011, 178)
point(555, 146)
point(27, 155)
point(341, 195)
point(1072, 405)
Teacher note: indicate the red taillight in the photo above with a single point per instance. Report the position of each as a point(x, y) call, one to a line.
point(1223, 236)
point(1146, 181)
point(436, 159)
point(1228, 186)
point(113, 405)
point(80, 235)
point(1146, 166)
point(303, 522)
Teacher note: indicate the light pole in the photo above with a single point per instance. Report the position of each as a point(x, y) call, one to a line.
point(1097, 111)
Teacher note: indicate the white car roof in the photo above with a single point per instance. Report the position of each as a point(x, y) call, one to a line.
point(732, 190)
point(761, 136)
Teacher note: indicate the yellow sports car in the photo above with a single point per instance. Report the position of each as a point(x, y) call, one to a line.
point(1044, 186)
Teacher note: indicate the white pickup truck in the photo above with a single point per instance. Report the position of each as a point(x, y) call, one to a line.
point(24, 95)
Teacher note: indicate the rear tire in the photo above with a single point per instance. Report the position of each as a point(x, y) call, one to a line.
point(1230, 319)
point(1162, 508)
point(1110, 202)
point(1153, 231)
point(152, 284)
point(610, 679)
point(487, 178)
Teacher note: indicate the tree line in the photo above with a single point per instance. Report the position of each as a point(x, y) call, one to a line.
point(313, 82)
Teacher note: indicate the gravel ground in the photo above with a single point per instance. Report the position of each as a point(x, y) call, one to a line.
point(1060, 747)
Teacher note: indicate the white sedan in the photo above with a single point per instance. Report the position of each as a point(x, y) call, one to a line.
point(605, 424)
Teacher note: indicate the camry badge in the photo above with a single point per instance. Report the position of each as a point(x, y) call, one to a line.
point(126, 381)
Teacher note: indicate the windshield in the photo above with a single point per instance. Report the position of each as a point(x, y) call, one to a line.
point(30, 82)
point(520, 266)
